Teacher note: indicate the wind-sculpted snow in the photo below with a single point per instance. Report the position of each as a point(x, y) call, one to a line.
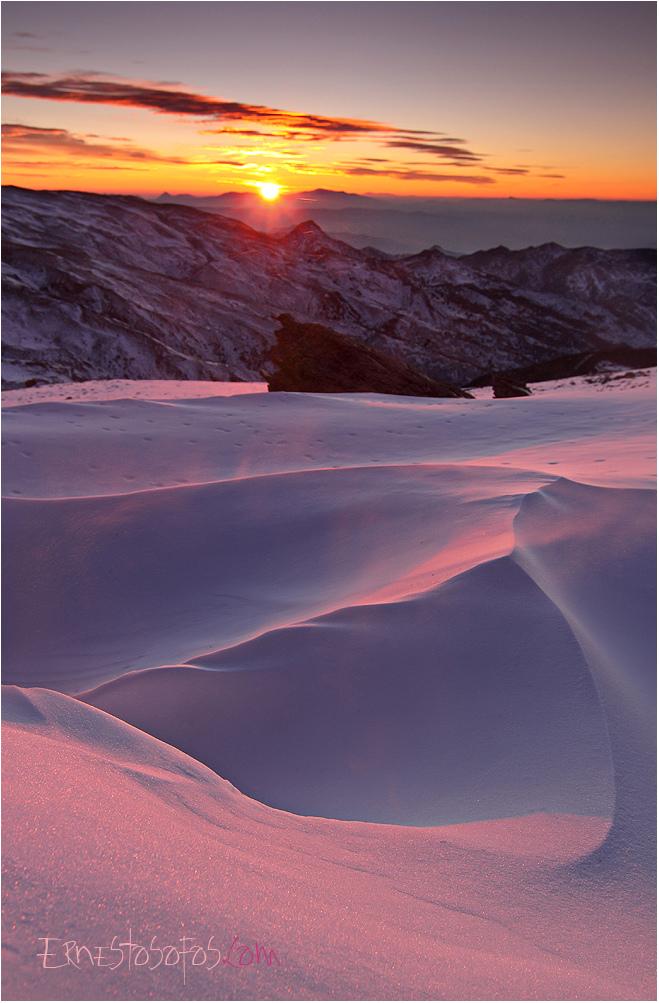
point(593, 552)
point(116, 847)
point(106, 287)
point(283, 619)
point(400, 713)
point(131, 581)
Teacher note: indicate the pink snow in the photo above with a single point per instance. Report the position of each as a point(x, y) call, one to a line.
point(365, 681)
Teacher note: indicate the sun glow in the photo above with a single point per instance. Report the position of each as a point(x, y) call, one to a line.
point(269, 191)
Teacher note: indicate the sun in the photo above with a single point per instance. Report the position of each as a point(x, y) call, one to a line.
point(269, 191)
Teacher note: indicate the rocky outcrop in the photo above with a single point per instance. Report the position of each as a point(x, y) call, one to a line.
point(313, 358)
point(503, 386)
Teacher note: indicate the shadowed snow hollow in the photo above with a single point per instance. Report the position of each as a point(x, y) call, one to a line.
point(287, 587)
point(370, 608)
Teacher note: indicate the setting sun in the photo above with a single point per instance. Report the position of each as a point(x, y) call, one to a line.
point(269, 191)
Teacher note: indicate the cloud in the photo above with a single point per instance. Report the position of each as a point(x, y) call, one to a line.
point(508, 170)
point(411, 174)
point(91, 88)
point(253, 133)
point(25, 41)
point(22, 139)
point(444, 151)
point(260, 126)
point(16, 136)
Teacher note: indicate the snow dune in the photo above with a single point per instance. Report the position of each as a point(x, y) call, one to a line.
point(108, 830)
point(355, 610)
point(591, 552)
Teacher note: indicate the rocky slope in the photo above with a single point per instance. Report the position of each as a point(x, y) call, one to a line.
point(103, 287)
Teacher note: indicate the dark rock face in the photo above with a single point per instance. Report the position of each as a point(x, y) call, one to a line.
point(313, 358)
point(582, 364)
point(503, 386)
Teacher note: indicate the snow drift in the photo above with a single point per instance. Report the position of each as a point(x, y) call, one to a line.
point(432, 614)
point(111, 834)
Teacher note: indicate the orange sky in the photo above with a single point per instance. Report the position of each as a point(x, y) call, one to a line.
point(533, 103)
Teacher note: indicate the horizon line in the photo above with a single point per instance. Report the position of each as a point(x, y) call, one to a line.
point(337, 191)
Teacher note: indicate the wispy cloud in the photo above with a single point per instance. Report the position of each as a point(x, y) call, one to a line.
point(93, 89)
point(444, 151)
point(19, 139)
point(411, 174)
point(246, 133)
point(16, 136)
point(263, 132)
point(508, 170)
point(26, 41)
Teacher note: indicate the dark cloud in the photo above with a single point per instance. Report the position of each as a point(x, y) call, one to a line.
point(427, 136)
point(508, 170)
point(92, 89)
point(444, 151)
point(420, 132)
point(410, 174)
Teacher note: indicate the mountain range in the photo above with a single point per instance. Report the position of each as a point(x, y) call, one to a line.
point(105, 287)
point(407, 225)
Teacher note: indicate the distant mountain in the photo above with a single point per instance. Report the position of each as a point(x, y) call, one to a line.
point(209, 202)
point(100, 287)
point(319, 198)
point(406, 225)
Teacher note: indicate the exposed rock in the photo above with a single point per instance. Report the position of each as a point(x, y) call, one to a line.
point(582, 364)
point(313, 358)
point(503, 386)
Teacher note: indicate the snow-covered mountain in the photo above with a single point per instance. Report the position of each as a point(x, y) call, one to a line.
point(113, 286)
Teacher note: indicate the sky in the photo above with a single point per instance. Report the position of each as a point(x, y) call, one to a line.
point(535, 100)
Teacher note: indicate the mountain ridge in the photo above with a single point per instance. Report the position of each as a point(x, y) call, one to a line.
point(102, 286)
point(408, 224)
